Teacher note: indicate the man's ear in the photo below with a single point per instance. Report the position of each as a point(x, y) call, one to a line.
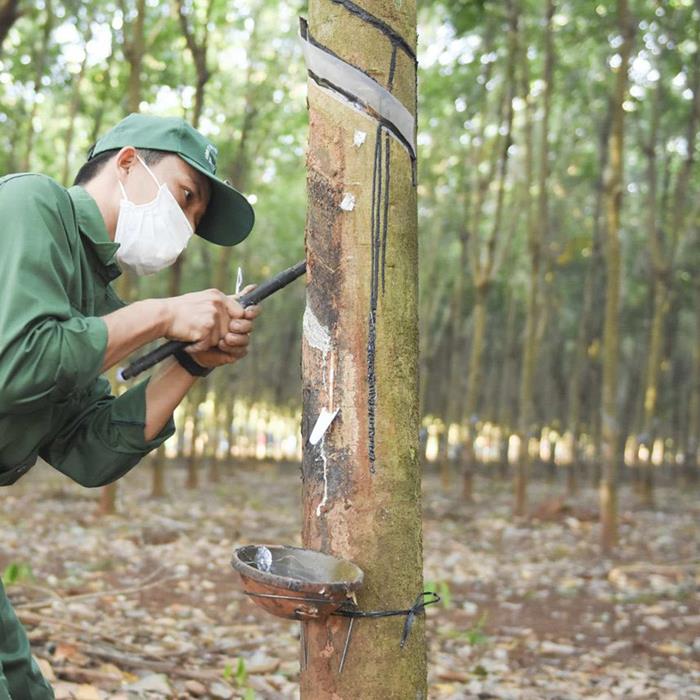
point(125, 161)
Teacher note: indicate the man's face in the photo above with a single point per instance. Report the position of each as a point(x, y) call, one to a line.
point(190, 188)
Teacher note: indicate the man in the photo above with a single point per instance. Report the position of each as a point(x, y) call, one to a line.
point(147, 186)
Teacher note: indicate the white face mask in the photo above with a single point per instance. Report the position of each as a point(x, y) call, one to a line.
point(151, 235)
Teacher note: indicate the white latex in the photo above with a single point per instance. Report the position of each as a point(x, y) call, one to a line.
point(151, 235)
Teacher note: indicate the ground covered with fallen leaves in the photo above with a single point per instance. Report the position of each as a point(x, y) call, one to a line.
point(144, 604)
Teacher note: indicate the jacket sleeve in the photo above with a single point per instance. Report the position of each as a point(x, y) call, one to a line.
point(48, 350)
point(104, 440)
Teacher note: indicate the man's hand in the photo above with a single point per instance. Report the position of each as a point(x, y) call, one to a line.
point(201, 318)
point(233, 345)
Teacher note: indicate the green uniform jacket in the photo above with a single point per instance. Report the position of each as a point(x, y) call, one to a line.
point(56, 266)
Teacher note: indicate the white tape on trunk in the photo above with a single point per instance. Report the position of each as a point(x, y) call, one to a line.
point(351, 83)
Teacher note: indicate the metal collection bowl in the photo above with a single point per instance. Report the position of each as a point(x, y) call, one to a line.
point(296, 583)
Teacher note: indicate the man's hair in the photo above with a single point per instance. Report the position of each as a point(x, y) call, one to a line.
point(93, 166)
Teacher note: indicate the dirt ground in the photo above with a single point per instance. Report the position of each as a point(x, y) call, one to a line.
point(145, 605)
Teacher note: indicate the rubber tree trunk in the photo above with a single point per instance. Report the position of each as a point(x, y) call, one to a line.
point(692, 453)
point(361, 482)
point(610, 452)
point(213, 471)
point(197, 395)
point(159, 460)
point(73, 107)
point(506, 406)
point(126, 286)
point(241, 162)
point(537, 231)
point(660, 269)
point(126, 289)
point(10, 12)
point(198, 51)
point(158, 473)
point(664, 244)
point(473, 386)
point(134, 51)
point(587, 329)
point(101, 89)
point(452, 399)
point(40, 61)
point(485, 258)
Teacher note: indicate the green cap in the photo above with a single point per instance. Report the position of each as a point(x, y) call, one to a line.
point(229, 216)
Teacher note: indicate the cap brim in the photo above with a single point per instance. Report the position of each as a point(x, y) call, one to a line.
point(229, 217)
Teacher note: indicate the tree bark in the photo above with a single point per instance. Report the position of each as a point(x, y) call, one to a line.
point(661, 293)
point(537, 233)
point(678, 228)
point(361, 482)
point(692, 446)
point(610, 454)
point(198, 49)
point(103, 91)
point(240, 164)
point(506, 414)
point(9, 13)
point(473, 385)
point(126, 289)
point(158, 489)
point(196, 396)
point(73, 113)
point(39, 61)
point(134, 50)
point(484, 256)
point(221, 401)
point(158, 473)
point(586, 334)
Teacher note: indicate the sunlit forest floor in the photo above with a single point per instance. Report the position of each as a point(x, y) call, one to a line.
point(145, 605)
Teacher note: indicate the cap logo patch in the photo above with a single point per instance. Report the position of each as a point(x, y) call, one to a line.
point(210, 154)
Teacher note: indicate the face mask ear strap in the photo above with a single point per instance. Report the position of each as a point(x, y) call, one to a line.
point(123, 190)
point(150, 172)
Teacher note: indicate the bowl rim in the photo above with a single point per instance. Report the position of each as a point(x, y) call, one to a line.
point(290, 584)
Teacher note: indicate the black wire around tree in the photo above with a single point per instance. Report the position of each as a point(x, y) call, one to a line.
point(422, 601)
point(350, 610)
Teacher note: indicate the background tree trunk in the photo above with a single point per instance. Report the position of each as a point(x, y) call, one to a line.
point(537, 234)
point(610, 453)
point(198, 50)
point(10, 12)
point(196, 396)
point(158, 459)
point(692, 446)
point(134, 50)
point(587, 334)
point(39, 63)
point(73, 109)
point(484, 256)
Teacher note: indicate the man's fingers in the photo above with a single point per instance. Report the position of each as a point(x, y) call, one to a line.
point(252, 312)
point(240, 325)
point(224, 320)
point(215, 357)
point(236, 351)
point(235, 310)
point(198, 347)
point(237, 340)
point(234, 340)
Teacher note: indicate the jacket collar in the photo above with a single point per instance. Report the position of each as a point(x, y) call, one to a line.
point(93, 230)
